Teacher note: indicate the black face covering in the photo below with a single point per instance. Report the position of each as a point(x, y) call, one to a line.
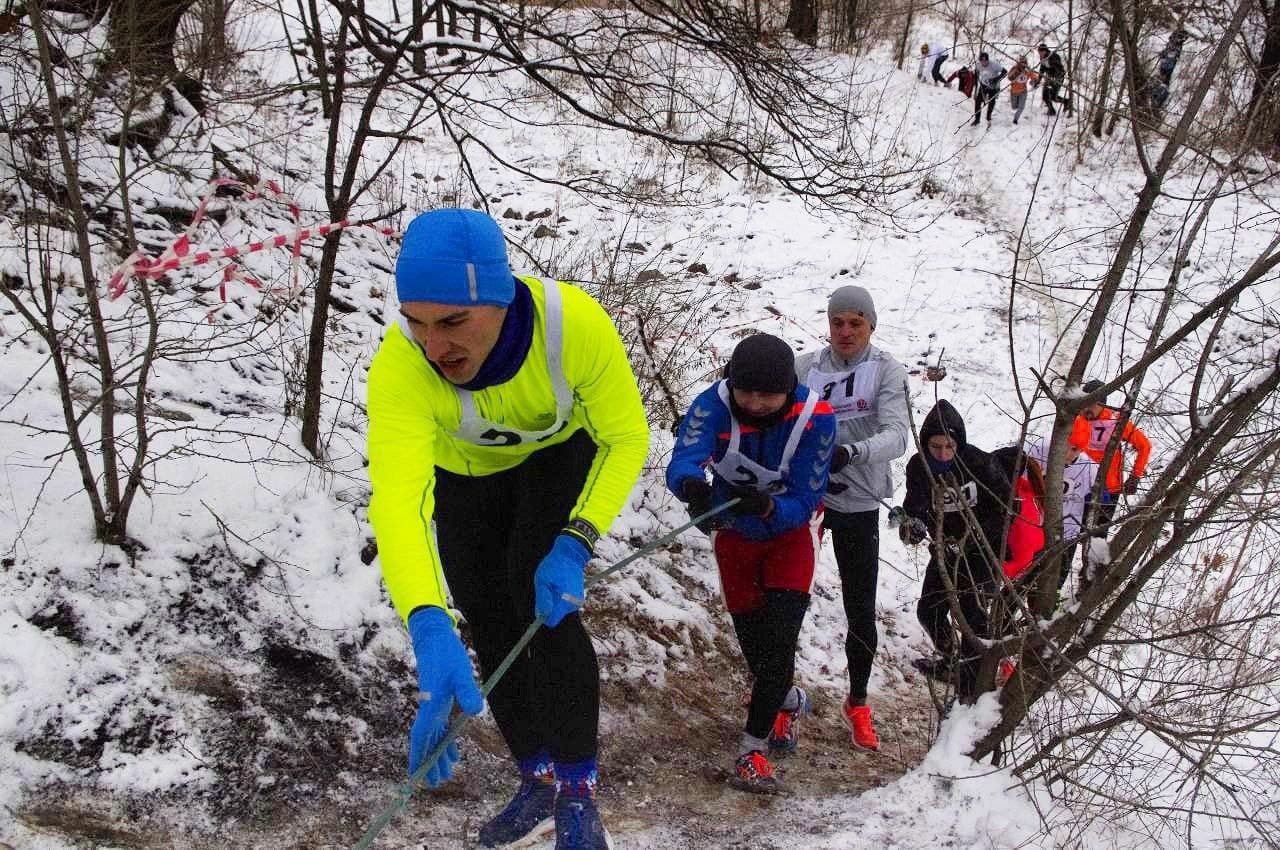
point(762, 422)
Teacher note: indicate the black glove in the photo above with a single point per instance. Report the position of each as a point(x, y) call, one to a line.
point(696, 493)
point(752, 502)
point(1131, 485)
point(842, 455)
point(913, 531)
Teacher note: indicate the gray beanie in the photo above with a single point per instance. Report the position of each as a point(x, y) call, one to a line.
point(853, 298)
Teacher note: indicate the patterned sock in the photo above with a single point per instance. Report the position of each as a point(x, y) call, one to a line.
point(576, 778)
point(538, 767)
point(750, 742)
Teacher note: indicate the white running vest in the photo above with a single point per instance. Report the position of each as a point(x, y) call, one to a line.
point(740, 470)
point(475, 429)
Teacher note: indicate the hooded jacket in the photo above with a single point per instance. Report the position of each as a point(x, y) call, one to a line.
point(1026, 529)
point(973, 479)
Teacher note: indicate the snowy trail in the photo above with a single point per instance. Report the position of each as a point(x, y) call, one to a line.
point(139, 653)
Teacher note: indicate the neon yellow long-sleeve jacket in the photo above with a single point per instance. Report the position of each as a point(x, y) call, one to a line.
point(413, 413)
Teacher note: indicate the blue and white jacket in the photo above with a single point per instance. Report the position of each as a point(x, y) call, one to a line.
point(704, 439)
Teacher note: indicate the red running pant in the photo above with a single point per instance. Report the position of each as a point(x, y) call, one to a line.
point(750, 567)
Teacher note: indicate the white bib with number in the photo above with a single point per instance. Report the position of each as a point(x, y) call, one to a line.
point(852, 395)
point(1077, 481)
point(951, 497)
point(740, 470)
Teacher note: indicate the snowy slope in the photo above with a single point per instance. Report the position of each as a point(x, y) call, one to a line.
point(247, 664)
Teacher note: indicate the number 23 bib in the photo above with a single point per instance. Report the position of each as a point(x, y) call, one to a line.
point(741, 471)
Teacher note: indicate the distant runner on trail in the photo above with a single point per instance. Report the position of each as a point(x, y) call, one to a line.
point(866, 387)
point(932, 59)
point(967, 77)
point(989, 76)
point(1020, 76)
point(503, 408)
point(1053, 73)
point(768, 442)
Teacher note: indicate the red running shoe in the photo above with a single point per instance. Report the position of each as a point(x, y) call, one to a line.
point(858, 719)
point(786, 726)
point(753, 772)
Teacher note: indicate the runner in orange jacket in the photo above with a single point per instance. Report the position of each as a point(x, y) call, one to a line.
point(1095, 425)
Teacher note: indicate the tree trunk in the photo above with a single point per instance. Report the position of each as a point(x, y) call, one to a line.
point(142, 34)
point(1262, 101)
point(982, 31)
point(1104, 83)
point(802, 21)
point(315, 40)
point(419, 33)
point(906, 34)
point(1269, 60)
point(314, 382)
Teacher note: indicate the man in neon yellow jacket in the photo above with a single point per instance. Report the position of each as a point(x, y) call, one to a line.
point(505, 409)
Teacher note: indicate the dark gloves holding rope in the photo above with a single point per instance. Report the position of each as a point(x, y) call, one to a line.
point(752, 503)
point(912, 531)
point(1131, 485)
point(841, 456)
point(696, 494)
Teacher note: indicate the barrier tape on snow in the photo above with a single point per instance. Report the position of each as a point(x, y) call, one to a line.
point(455, 728)
point(180, 255)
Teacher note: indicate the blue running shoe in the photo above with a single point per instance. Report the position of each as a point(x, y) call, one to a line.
point(785, 733)
point(528, 817)
point(578, 825)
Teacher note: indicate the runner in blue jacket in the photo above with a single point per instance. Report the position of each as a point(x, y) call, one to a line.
point(768, 441)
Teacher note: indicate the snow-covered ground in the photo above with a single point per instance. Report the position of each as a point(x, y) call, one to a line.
point(243, 680)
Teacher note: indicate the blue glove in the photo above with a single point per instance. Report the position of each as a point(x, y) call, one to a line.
point(444, 673)
point(560, 573)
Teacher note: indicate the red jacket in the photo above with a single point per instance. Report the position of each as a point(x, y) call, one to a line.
point(967, 79)
point(1026, 532)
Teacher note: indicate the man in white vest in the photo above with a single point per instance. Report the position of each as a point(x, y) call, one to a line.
point(867, 389)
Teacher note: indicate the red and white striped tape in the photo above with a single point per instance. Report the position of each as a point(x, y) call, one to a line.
point(180, 255)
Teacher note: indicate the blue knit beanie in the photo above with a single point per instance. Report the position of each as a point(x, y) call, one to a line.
point(454, 256)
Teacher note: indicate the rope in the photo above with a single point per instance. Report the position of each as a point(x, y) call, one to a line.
point(405, 793)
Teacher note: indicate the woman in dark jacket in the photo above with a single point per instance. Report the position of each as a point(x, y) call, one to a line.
point(974, 495)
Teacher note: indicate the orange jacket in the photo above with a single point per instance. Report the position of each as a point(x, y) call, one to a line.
point(1098, 433)
point(1020, 77)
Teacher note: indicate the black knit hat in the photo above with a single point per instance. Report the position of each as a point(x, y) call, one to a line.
point(762, 363)
point(1092, 386)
